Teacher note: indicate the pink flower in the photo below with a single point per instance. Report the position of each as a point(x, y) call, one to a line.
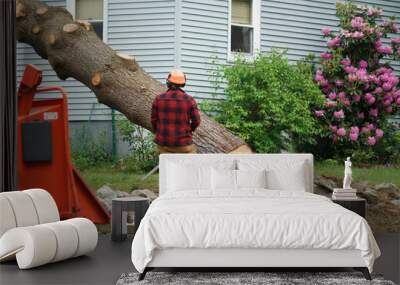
point(335, 42)
point(371, 140)
point(350, 69)
point(373, 112)
point(353, 136)
point(385, 50)
point(326, 55)
point(341, 132)
point(398, 101)
point(339, 83)
point(396, 40)
point(354, 129)
point(371, 126)
point(379, 133)
point(387, 86)
point(365, 130)
point(389, 109)
point(371, 100)
point(378, 90)
point(339, 114)
point(363, 64)
point(357, 23)
point(378, 44)
point(326, 31)
point(374, 12)
point(320, 113)
point(330, 104)
point(342, 95)
point(333, 128)
point(352, 77)
point(346, 34)
point(332, 95)
point(358, 35)
point(360, 115)
point(356, 98)
point(345, 62)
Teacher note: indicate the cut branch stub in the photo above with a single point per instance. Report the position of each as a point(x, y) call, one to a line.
point(35, 29)
point(85, 24)
point(51, 40)
point(20, 10)
point(41, 10)
point(70, 28)
point(129, 61)
point(96, 79)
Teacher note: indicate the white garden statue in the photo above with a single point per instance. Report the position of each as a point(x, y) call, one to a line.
point(347, 174)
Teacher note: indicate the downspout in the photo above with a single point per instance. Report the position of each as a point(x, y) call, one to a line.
point(113, 136)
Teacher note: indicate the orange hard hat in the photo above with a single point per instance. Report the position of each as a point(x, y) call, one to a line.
point(177, 77)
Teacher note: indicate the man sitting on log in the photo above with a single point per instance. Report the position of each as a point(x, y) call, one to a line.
point(174, 117)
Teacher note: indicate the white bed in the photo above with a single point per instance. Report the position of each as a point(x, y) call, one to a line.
point(201, 223)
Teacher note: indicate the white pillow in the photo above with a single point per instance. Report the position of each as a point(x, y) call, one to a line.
point(282, 174)
point(188, 177)
point(223, 179)
point(251, 178)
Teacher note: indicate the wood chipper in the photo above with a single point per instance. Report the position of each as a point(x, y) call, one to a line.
point(44, 159)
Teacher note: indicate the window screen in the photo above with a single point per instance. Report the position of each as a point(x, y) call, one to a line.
point(241, 26)
point(241, 39)
point(241, 12)
point(89, 9)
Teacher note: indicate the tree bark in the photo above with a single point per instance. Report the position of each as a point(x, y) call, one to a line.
point(74, 50)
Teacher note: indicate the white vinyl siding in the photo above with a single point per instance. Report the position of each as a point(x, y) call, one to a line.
point(144, 29)
point(82, 103)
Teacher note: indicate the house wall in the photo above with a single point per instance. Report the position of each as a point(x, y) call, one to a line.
point(192, 35)
point(83, 105)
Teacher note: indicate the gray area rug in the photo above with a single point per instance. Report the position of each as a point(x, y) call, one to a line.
point(243, 278)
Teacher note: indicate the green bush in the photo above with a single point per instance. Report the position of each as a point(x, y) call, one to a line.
point(86, 152)
point(268, 103)
point(143, 156)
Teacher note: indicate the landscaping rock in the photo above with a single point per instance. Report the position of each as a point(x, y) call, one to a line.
point(383, 201)
point(326, 183)
point(105, 194)
point(144, 193)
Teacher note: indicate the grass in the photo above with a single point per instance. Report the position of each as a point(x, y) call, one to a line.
point(372, 175)
point(127, 181)
point(117, 179)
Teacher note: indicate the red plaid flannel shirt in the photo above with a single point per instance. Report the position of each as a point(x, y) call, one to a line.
point(174, 116)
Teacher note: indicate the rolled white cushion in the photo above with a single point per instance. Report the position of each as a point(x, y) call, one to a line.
point(67, 240)
point(7, 218)
point(87, 235)
point(45, 205)
point(33, 246)
point(23, 208)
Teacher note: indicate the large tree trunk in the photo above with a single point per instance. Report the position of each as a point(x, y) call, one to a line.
point(74, 50)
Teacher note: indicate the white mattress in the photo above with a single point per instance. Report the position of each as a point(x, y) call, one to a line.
point(253, 219)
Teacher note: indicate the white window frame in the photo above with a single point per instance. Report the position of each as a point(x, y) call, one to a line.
point(256, 20)
point(71, 7)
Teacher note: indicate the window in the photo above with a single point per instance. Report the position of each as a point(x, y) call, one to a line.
point(244, 26)
point(89, 10)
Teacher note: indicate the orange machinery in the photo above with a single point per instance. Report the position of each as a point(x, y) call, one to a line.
point(44, 159)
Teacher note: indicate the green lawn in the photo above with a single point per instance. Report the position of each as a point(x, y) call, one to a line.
point(373, 175)
point(96, 177)
point(127, 181)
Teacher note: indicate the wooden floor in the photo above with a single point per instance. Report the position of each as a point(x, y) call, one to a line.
point(110, 260)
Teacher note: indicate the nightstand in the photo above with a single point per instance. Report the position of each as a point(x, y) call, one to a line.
point(358, 205)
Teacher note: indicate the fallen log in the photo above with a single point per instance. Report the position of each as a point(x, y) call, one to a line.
point(74, 50)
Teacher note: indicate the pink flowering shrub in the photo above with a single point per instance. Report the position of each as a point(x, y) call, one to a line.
point(361, 89)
